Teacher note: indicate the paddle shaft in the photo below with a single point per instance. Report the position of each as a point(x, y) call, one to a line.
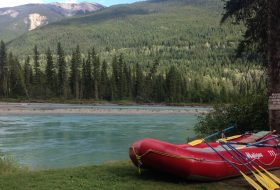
point(219, 132)
point(198, 141)
point(241, 155)
point(222, 156)
point(258, 145)
point(235, 157)
point(259, 142)
point(248, 179)
point(265, 181)
point(271, 132)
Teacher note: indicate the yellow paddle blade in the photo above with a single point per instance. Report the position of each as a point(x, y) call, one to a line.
point(264, 183)
point(229, 138)
point(196, 142)
point(269, 181)
point(275, 178)
point(251, 181)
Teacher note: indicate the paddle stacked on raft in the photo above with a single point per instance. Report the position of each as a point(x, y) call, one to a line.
point(210, 161)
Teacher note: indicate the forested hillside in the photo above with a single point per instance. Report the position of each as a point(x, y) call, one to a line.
point(172, 50)
point(170, 23)
point(15, 21)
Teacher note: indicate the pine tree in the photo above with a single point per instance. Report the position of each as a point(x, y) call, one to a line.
point(28, 74)
point(96, 73)
point(75, 73)
point(173, 85)
point(127, 81)
point(262, 21)
point(37, 87)
point(87, 78)
point(50, 73)
point(115, 78)
point(3, 69)
point(62, 85)
point(82, 81)
point(37, 71)
point(17, 87)
point(105, 87)
point(138, 82)
point(158, 92)
point(121, 77)
point(150, 81)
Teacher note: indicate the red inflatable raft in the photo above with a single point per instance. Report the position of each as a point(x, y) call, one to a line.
point(200, 162)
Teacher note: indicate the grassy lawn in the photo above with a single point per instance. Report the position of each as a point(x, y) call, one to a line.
point(115, 176)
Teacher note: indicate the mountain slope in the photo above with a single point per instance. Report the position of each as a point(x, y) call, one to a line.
point(187, 23)
point(181, 34)
point(15, 21)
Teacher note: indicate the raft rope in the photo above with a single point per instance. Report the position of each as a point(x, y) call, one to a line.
point(139, 157)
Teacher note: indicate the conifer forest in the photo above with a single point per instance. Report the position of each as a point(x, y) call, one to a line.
point(53, 74)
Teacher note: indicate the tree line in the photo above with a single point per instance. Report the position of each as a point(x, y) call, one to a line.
point(86, 76)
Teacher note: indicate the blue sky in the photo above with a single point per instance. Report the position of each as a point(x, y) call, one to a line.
point(103, 2)
point(11, 3)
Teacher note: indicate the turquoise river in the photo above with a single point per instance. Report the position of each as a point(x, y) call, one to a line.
point(46, 141)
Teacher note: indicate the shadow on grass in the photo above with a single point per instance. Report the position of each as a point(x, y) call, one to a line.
point(129, 172)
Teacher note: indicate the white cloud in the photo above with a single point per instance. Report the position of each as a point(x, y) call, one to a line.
point(11, 3)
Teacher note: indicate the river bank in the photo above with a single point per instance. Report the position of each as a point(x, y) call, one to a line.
point(109, 176)
point(52, 108)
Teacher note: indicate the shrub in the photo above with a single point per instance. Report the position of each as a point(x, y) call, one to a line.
point(248, 114)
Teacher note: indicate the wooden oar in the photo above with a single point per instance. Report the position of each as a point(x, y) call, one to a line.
point(266, 182)
point(247, 178)
point(275, 178)
point(199, 141)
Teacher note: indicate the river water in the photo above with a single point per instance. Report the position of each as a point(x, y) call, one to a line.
point(69, 140)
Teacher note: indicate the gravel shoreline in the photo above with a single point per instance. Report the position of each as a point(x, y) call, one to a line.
point(36, 108)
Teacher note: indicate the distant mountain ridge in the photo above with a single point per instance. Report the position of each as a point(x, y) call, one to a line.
point(157, 23)
point(15, 21)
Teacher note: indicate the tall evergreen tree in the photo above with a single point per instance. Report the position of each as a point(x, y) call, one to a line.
point(158, 92)
point(173, 85)
point(150, 80)
point(87, 78)
point(115, 78)
point(3, 69)
point(82, 81)
point(37, 71)
point(37, 89)
point(50, 73)
point(138, 82)
point(262, 21)
point(127, 87)
point(121, 77)
point(75, 73)
point(28, 74)
point(17, 87)
point(96, 73)
point(105, 87)
point(62, 85)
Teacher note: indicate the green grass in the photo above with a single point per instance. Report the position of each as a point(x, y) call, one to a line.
point(115, 176)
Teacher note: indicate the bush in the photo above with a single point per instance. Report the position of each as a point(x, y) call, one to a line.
point(248, 114)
